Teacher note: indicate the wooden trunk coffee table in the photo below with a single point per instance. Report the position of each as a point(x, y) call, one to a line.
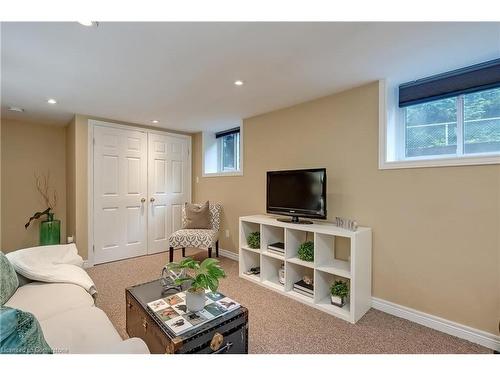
point(226, 334)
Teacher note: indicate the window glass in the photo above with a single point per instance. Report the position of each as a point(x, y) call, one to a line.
point(482, 121)
point(431, 128)
point(228, 152)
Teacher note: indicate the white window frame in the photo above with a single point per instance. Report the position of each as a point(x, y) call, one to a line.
point(208, 141)
point(392, 138)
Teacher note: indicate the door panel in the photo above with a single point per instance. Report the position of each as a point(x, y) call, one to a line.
point(169, 187)
point(176, 176)
point(159, 222)
point(120, 182)
point(109, 175)
point(176, 217)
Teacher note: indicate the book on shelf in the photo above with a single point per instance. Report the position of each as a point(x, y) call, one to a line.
point(278, 252)
point(301, 285)
point(277, 246)
point(172, 310)
point(307, 294)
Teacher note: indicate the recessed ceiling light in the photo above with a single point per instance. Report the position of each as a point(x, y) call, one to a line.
point(238, 83)
point(155, 121)
point(52, 101)
point(16, 109)
point(89, 23)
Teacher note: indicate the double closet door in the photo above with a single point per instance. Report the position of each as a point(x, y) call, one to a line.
point(141, 179)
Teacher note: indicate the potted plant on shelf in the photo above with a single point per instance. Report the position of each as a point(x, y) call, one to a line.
point(339, 292)
point(306, 251)
point(201, 276)
point(253, 240)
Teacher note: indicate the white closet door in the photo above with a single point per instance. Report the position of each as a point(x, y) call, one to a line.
point(120, 192)
point(169, 187)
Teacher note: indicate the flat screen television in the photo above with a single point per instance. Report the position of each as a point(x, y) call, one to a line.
point(297, 193)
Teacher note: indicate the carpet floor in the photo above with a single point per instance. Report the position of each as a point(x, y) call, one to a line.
point(278, 324)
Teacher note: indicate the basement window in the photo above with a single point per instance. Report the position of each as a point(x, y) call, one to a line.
point(222, 153)
point(449, 119)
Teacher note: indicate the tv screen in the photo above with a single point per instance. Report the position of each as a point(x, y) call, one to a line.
point(297, 193)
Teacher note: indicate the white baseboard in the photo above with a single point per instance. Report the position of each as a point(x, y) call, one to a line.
point(474, 335)
point(228, 254)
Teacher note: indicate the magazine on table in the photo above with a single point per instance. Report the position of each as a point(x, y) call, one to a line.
point(173, 313)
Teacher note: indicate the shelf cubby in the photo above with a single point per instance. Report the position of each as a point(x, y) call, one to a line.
point(294, 238)
point(325, 256)
point(295, 272)
point(270, 267)
point(245, 229)
point(323, 282)
point(338, 254)
point(271, 234)
point(249, 259)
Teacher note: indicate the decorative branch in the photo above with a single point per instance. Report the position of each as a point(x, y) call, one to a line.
point(43, 186)
point(42, 183)
point(36, 215)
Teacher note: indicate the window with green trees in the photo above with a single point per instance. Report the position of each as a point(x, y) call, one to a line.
point(465, 124)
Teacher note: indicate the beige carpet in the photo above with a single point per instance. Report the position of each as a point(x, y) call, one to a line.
point(279, 324)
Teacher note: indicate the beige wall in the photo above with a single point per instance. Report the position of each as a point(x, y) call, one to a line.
point(435, 230)
point(78, 176)
point(28, 148)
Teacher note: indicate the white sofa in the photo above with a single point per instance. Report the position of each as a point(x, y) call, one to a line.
point(70, 321)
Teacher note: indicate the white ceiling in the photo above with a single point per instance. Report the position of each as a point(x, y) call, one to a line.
point(182, 73)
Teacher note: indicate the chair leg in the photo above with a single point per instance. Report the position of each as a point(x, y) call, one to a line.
point(210, 252)
point(183, 252)
point(217, 248)
point(171, 254)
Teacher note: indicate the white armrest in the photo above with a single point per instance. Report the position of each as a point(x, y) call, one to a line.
point(130, 346)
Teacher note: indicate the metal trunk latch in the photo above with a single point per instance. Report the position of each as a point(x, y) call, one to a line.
point(216, 342)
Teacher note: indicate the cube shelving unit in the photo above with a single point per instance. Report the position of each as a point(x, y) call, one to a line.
point(325, 269)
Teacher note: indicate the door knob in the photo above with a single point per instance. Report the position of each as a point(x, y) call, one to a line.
point(143, 200)
point(152, 200)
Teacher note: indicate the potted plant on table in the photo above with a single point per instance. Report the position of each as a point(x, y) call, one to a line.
point(339, 292)
point(201, 276)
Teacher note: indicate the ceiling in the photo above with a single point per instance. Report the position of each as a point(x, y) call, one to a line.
point(182, 74)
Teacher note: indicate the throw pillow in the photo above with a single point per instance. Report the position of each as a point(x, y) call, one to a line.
point(8, 279)
point(21, 333)
point(197, 216)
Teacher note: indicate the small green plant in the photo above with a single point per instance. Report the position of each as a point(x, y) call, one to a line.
point(202, 276)
point(253, 240)
point(340, 289)
point(306, 251)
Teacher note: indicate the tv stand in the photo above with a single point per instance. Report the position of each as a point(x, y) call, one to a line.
point(294, 220)
point(349, 259)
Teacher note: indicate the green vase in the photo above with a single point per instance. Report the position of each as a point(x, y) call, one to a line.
point(50, 231)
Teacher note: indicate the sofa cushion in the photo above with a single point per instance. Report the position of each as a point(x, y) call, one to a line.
point(8, 279)
point(83, 330)
point(20, 333)
point(45, 300)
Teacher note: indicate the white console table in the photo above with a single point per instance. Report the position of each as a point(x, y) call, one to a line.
point(325, 269)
